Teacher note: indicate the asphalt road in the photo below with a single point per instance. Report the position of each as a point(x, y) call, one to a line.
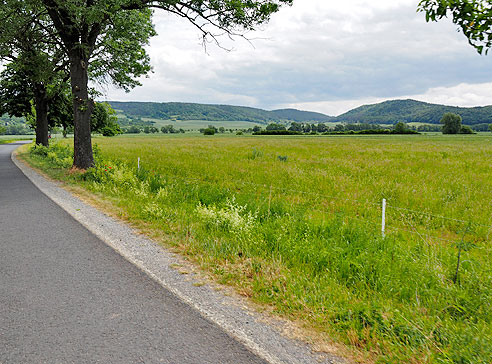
point(66, 297)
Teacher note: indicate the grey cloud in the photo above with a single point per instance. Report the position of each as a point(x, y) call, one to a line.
point(318, 56)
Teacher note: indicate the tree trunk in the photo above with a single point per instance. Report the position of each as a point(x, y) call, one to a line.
point(41, 105)
point(82, 110)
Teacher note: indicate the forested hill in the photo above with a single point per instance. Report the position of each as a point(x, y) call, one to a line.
point(391, 112)
point(301, 116)
point(189, 111)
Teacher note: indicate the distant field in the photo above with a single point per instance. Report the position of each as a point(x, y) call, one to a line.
point(198, 124)
point(295, 223)
point(8, 138)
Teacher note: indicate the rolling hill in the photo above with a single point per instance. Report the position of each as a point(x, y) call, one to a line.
point(387, 112)
point(391, 112)
point(190, 111)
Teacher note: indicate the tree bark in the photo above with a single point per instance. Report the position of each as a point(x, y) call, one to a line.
point(82, 110)
point(41, 106)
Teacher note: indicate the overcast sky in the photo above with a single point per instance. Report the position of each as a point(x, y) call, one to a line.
point(319, 55)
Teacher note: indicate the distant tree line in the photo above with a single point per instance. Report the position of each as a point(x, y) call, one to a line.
point(103, 119)
point(167, 129)
point(314, 129)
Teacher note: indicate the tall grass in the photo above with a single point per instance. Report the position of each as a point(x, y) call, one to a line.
point(301, 232)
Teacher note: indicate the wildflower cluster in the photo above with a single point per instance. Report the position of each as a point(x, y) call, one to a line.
point(232, 217)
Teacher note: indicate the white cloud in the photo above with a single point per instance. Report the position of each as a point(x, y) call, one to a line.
point(465, 95)
point(321, 54)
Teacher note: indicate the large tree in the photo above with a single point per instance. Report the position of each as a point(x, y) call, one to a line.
point(451, 123)
point(92, 31)
point(37, 66)
point(474, 17)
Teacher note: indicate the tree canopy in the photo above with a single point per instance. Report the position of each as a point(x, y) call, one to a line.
point(37, 68)
point(451, 123)
point(474, 18)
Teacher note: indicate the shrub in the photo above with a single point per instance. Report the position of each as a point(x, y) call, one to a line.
point(465, 129)
point(110, 130)
point(274, 126)
point(209, 131)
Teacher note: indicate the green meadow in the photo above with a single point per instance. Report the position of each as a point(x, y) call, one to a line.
point(294, 223)
point(199, 124)
point(11, 138)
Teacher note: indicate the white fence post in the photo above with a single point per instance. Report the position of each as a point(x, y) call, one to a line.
point(138, 163)
point(383, 218)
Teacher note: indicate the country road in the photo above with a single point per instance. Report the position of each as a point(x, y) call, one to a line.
point(67, 297)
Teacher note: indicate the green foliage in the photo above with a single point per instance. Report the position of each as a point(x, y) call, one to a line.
point(132, 130)
point(110, 130)
point(301, 116)
point(123, 57)
point(474, 18)
point(188, 111)
point(170, 129)
point(480, 127)
point(3, 130)
point(490, 127)
point(429, 128)
point(465, 129)
point(16, 92)
point(57, 154)
point(104, 121)
point(255, 153)
point(14, 125)
point(451, 123)
point(209, 131)
point(274, 126)
point(400, 127)
point(411, 111)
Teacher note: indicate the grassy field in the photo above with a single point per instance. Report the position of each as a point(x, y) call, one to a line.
point(10, 138)
point(198, 124)
point(295, 224)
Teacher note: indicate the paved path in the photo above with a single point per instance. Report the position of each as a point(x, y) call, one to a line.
point(66, 297)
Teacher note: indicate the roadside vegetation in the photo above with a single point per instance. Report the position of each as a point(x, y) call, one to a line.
point(294, 223)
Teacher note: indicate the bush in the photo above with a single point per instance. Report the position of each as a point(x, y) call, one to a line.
point(39, 150)
point(465, 129)
point(133, 130)
point(274, 126)
point(111, 130)
point(400, 127)
point(209, 131)
point(58, 154)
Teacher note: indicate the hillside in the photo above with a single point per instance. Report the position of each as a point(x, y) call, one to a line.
point(391, 112)
point(301, 116)
point(190, 111)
